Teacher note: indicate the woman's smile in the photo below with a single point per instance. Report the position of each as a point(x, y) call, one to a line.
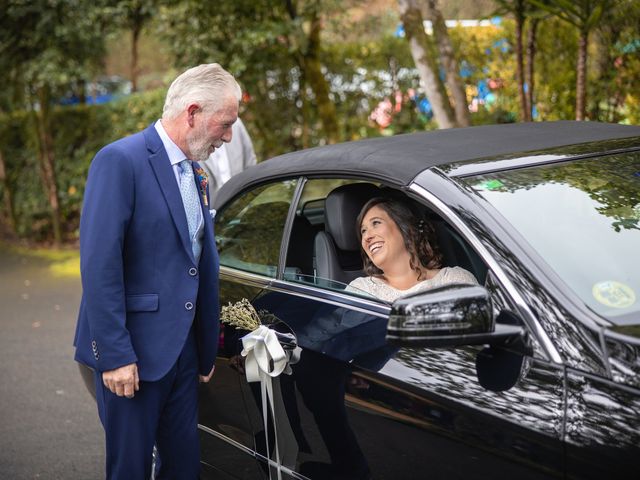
point(381, 238)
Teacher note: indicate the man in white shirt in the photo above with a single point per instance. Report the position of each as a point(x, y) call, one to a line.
point(229, 159)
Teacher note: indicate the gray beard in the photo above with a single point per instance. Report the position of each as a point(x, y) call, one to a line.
point(199, 146)
point(199, 150)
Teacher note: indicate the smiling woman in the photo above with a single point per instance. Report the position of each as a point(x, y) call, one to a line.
point(400, 253)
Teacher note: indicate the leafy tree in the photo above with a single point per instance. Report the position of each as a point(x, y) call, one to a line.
point(519, 9)
point(555, 71)
point(45, 47)
point(449, 62)
point(616, 64)
point(585, 15)
point(423, 53)
point(263, 44)
point(134, 15)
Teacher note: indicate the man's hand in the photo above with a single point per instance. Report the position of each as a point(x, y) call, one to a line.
point(122, 381)
point(206, 379)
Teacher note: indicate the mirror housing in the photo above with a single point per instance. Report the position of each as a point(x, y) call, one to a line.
point(453, 315)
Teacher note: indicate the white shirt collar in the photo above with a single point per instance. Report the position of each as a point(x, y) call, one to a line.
point(173, 151)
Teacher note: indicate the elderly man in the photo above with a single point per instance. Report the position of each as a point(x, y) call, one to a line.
point(148, 321)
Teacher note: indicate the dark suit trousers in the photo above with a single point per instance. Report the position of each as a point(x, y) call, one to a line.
point(164, 413)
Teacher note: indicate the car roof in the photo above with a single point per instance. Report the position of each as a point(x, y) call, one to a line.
point(398, 159)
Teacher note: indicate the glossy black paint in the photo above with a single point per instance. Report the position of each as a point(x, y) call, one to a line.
point(602, 428)
point(359, 408)
point(442, 314)
point(562, 403)
point(562, 400)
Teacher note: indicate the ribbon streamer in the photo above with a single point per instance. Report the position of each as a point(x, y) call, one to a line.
point(266, 359)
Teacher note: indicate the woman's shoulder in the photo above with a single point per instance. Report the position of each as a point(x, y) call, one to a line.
point(361, 285)
point(373, 287)
point(457, 275)
point(360, 282)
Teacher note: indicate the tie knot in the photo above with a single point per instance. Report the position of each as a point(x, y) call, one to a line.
point(185, 166)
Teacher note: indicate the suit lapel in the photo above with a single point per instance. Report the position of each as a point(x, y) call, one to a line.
point(208, 239)
point(161, 166)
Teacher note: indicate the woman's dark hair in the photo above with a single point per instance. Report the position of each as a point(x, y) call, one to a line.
point(417, 232)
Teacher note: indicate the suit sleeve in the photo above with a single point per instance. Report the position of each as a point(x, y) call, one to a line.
point(107, 211)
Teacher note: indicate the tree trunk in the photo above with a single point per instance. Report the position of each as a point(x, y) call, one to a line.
point(519, 14)
point(304, 110)
point(82, 92)
point(427, 66)
point(135, 37)
point(308, 58)
point(531, 54)
point(581, 75)
point(318, 83)
point(46, 158)
point(8, 197)
point(448, 60)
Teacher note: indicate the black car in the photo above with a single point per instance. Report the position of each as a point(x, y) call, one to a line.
point(533, 373)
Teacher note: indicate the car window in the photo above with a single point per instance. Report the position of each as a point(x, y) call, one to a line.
point(249, 230)
point(330, 258)
point(302, 261)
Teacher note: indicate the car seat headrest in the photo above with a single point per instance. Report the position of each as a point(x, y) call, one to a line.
point(342, 207)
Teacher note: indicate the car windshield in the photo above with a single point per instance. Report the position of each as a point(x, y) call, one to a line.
point(583, 218)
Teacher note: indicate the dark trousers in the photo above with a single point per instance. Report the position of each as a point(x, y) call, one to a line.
point(164, 413)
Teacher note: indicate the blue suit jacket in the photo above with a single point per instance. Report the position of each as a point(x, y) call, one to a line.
point(142, 290)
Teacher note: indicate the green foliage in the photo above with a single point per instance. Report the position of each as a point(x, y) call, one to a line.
point(615, 70)
point(582, 14)
point(60, 44)
point(51, 44)
point(78, 133)
point(556, 71)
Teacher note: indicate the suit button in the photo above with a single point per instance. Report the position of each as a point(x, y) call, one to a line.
point(188, 306)
point(193, 271)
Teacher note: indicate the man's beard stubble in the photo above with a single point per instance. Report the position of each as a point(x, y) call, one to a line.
point(199, 144)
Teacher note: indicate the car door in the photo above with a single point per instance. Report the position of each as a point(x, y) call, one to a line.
point(370, 409)
point(249, 233)
point(356, 407)
point(360, 408)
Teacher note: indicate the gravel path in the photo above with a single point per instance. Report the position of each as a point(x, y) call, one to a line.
point(49, 426)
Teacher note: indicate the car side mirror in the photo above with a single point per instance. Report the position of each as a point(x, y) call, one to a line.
point(450, 316)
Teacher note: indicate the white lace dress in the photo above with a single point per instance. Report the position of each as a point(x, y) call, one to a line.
point(377, 288)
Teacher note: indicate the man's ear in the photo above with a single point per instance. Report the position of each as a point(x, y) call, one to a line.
point(191, 113)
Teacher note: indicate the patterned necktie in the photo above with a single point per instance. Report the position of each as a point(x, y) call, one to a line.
point(191, 203)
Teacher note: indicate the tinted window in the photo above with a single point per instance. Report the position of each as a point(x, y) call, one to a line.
point(308, 251)
point(310, 218)
point(249, 230)
point(583, 218)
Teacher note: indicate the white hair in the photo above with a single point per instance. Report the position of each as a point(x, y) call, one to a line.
point(207, 85)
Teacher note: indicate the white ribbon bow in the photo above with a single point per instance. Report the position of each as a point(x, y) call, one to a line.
point(266, 359)
point(261, 347)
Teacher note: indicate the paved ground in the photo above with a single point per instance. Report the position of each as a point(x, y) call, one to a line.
point(49, 426)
